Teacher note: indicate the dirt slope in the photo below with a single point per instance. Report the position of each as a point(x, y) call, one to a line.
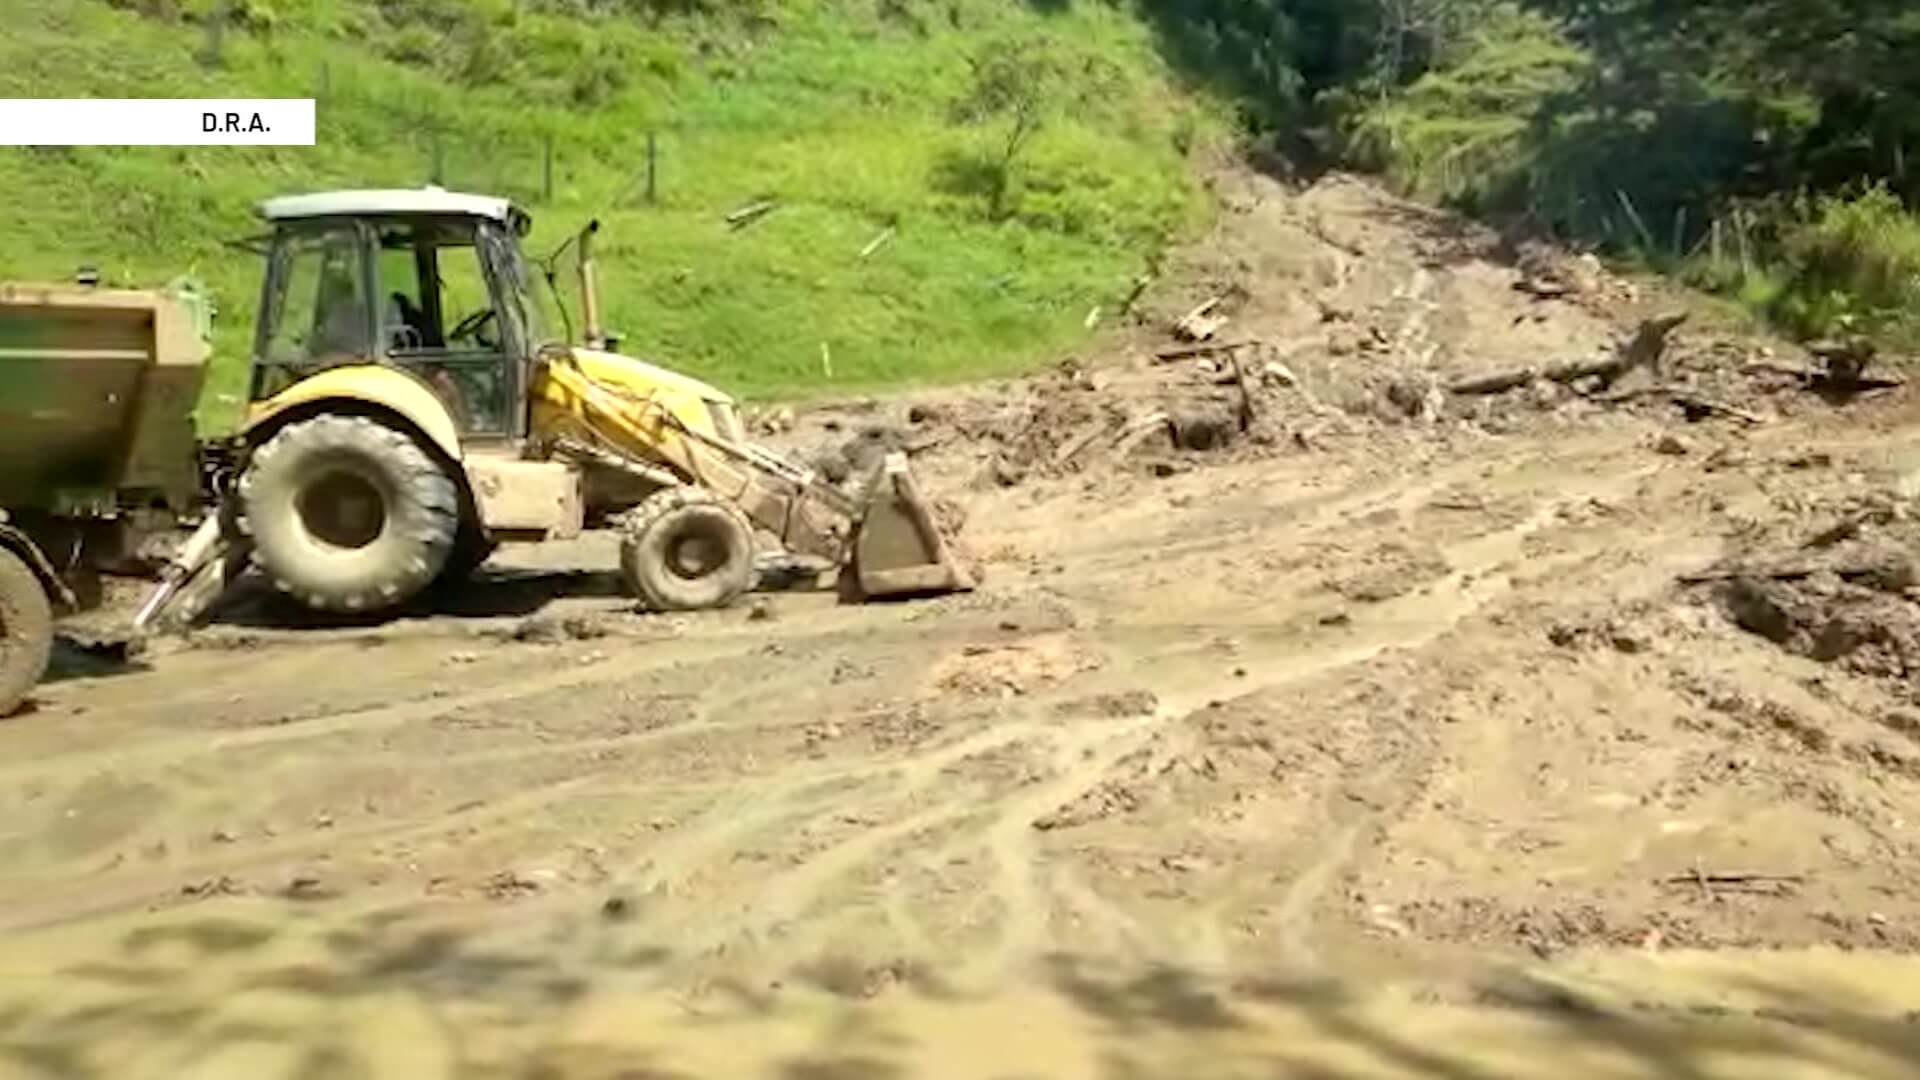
point(1435, 741)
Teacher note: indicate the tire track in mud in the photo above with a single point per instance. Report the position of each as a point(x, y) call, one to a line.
point(173, 748)
point(1184, 686)
point(723, 830)
point(1085, 754)
point(1023, 882)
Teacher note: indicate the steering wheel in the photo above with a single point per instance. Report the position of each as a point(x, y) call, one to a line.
point(471, 325)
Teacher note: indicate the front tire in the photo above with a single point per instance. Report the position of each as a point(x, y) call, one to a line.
point(686, 549)
point(26, 631)
point(349, 514)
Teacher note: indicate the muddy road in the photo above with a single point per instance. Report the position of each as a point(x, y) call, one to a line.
point(1565, 731)
point(1215, 763)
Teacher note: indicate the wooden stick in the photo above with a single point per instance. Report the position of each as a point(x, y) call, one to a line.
point(877, 242)
point(1211, 303)
point(1073, 447)
point(1782, 573)
point(1209, 348)
point(1648, 345)
point(1688, 400)
point(1694, 402)
point(751, 213)
point(1246, 391)
point(1697, 877)
point(1814, 377)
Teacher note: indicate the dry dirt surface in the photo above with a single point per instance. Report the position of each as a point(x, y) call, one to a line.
point(1562, 732)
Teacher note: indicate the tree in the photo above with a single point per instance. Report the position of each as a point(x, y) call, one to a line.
point(1022, 83)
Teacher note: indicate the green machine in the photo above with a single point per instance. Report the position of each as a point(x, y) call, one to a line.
point(97, 446)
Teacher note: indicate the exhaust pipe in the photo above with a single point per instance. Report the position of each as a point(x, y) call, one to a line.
point(596, 337)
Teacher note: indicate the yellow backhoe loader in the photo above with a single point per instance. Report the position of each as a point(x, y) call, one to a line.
point(417, 398)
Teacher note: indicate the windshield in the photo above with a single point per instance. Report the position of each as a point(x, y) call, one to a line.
point(535, 300)
point(560, 288)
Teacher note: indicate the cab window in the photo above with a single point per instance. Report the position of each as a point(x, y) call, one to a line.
point(440, 318)
point(316, 311)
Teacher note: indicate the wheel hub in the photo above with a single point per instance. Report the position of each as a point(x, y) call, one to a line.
point(694, 556)
point(344, 510)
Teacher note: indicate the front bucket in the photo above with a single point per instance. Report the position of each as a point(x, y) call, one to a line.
point(898, 549)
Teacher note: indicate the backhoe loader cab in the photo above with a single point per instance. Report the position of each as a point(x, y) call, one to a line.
point(415, 401)
point(433, 284)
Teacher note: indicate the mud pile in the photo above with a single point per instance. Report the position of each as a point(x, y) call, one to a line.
point(1848, 594)
point(1322, 315)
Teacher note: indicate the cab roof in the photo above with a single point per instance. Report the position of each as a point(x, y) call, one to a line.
point(418, 201)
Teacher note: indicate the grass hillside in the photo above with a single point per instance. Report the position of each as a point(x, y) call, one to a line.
point(854, 115)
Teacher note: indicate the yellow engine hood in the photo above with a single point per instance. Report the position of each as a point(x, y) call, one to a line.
point(639, 376)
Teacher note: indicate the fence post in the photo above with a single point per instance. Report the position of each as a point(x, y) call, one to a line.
point(213, 48)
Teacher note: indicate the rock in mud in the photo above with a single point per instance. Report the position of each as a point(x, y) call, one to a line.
point(539, 630)
point(1414, 398)
point(1754, 608)
point(1851, 620)
point(1204, 429)
point(865, 451)
point(831, 464)
point(583, 628)
point(1006, 473)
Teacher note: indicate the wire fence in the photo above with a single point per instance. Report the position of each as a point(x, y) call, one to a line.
point(529, 170)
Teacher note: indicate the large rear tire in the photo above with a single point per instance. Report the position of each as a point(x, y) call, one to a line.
point(349, 514)
point(26, 631)
point(686, 549)
point(471, 550)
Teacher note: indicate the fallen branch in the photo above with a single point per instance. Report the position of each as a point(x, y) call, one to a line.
point(1817, 379)
point(877, 242)
point(1695, 877)
point(1795, 572)
point(1711, 884)
point(1210, 348)
point(1200, 324)
point(1695, 406)
point(1133, 432)
point(1074, 446)
point(1645, 349)
point(1694, 403)
point(751, 213)
point(1246, 391)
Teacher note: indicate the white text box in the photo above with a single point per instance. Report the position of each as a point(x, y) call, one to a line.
point(157, 122)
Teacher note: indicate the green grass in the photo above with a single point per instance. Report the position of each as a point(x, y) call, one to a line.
point(1819, 266)
point(836, 108)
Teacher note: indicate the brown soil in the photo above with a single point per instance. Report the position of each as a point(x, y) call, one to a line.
point(1401, 735)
